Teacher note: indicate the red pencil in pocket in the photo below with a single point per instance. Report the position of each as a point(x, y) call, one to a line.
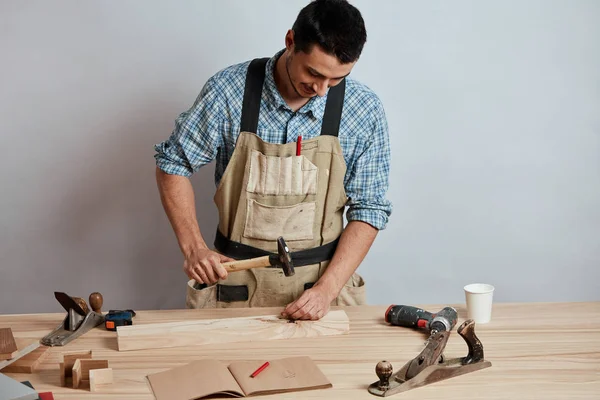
point(299, 145)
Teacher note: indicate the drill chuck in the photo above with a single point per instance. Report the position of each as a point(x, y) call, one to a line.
point(444, 320)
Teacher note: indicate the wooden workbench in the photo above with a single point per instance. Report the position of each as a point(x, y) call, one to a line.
point(538, 351)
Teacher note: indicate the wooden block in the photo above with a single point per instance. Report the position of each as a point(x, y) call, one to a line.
point(66, 366)
point(28, 363)
point(8, 346)
point(24, 347)
point(76, 373)
point(245, 329)
point(69, 358)
point(63, 378)
point(99, 377)
point(81, 371)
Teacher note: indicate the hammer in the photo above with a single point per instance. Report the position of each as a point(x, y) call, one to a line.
point(282, 259)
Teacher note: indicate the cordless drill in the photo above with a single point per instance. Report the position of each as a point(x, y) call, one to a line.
point(413, 317)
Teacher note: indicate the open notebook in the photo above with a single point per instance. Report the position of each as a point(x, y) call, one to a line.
point(204, 378)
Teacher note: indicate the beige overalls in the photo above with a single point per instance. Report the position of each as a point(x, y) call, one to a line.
point(268, 191)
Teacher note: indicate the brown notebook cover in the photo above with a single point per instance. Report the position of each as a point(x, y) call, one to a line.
point(204, 378)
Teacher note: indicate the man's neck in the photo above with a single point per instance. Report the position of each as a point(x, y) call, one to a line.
point(284, 85)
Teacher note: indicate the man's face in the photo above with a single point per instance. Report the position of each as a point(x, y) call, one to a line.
point(312, 74)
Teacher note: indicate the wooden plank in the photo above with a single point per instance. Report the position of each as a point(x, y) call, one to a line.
point(244, 329)
point(24, 347)
point(8, 347)
point(99, 377)
point(29, 362)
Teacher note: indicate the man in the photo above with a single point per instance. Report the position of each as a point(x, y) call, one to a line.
point(295, 141)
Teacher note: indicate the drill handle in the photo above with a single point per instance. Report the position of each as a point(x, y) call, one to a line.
point(408, 316)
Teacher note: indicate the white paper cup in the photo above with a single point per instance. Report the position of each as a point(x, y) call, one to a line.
point(479, 302)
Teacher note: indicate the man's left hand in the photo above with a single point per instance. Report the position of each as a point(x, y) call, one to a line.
point(313, 304)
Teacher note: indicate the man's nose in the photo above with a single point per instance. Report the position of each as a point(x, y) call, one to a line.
point(320, 87)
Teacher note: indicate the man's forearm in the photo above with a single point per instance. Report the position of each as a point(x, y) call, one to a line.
point(177, 196)
point(355, 242)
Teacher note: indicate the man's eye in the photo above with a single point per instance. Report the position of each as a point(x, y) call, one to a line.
point(313, 74)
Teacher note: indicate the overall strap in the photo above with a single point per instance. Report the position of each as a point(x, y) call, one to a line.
point(333, 109)
point(252, 95)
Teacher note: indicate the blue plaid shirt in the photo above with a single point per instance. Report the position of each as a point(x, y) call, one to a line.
point(209, 130)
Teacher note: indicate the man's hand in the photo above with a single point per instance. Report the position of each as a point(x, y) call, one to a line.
point(204, 266)
point(313, 304)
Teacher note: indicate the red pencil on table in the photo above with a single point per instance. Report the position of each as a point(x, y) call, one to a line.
point(260, 369)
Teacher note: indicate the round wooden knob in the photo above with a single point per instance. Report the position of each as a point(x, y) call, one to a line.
point(384, 370)
point(96, 301)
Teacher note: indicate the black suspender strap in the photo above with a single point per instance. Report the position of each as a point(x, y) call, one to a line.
point(333, 109)
point(240, 251)
point(252, 95)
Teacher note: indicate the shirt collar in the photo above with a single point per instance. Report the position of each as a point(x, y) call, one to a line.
point(315, 106)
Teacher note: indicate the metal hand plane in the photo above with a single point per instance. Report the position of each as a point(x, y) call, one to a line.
point(78, 321)
point(430, 366)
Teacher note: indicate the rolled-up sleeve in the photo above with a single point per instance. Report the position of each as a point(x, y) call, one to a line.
point(368, 180)
point(196, 137)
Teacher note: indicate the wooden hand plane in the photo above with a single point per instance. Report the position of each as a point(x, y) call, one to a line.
point(78, 321)
point(430, 366)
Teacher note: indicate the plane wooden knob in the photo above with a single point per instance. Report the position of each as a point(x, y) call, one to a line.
point(384, 370)
point(96, 301)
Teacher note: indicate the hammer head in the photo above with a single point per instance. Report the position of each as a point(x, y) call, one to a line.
point(285, 257)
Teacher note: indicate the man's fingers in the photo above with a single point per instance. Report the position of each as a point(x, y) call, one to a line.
point(208, 270)
point(304, 312)
point(200, 272)
point(220, 271)
point(292, 309)
point(296, 305)
point(193, 275)
point(224, 258)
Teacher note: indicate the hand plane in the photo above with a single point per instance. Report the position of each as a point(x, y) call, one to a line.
point(430, 366)
point(78, 321)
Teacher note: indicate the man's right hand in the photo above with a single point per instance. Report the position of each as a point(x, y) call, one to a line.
point(204, 266)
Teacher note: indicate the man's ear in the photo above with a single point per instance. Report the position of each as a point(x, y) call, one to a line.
point(289, 40)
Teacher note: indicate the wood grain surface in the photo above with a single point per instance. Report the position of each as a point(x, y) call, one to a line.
point(547, 351)
point(227, 330)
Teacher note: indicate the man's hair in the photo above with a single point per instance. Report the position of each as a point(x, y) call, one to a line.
point(335, 25)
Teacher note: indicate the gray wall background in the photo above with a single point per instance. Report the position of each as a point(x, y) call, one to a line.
point(494, 115)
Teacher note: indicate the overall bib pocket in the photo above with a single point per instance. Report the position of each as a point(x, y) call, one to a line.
point(267, 222)
point(281, 176)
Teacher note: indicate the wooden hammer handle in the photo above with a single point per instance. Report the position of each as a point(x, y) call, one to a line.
point(240, 265)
